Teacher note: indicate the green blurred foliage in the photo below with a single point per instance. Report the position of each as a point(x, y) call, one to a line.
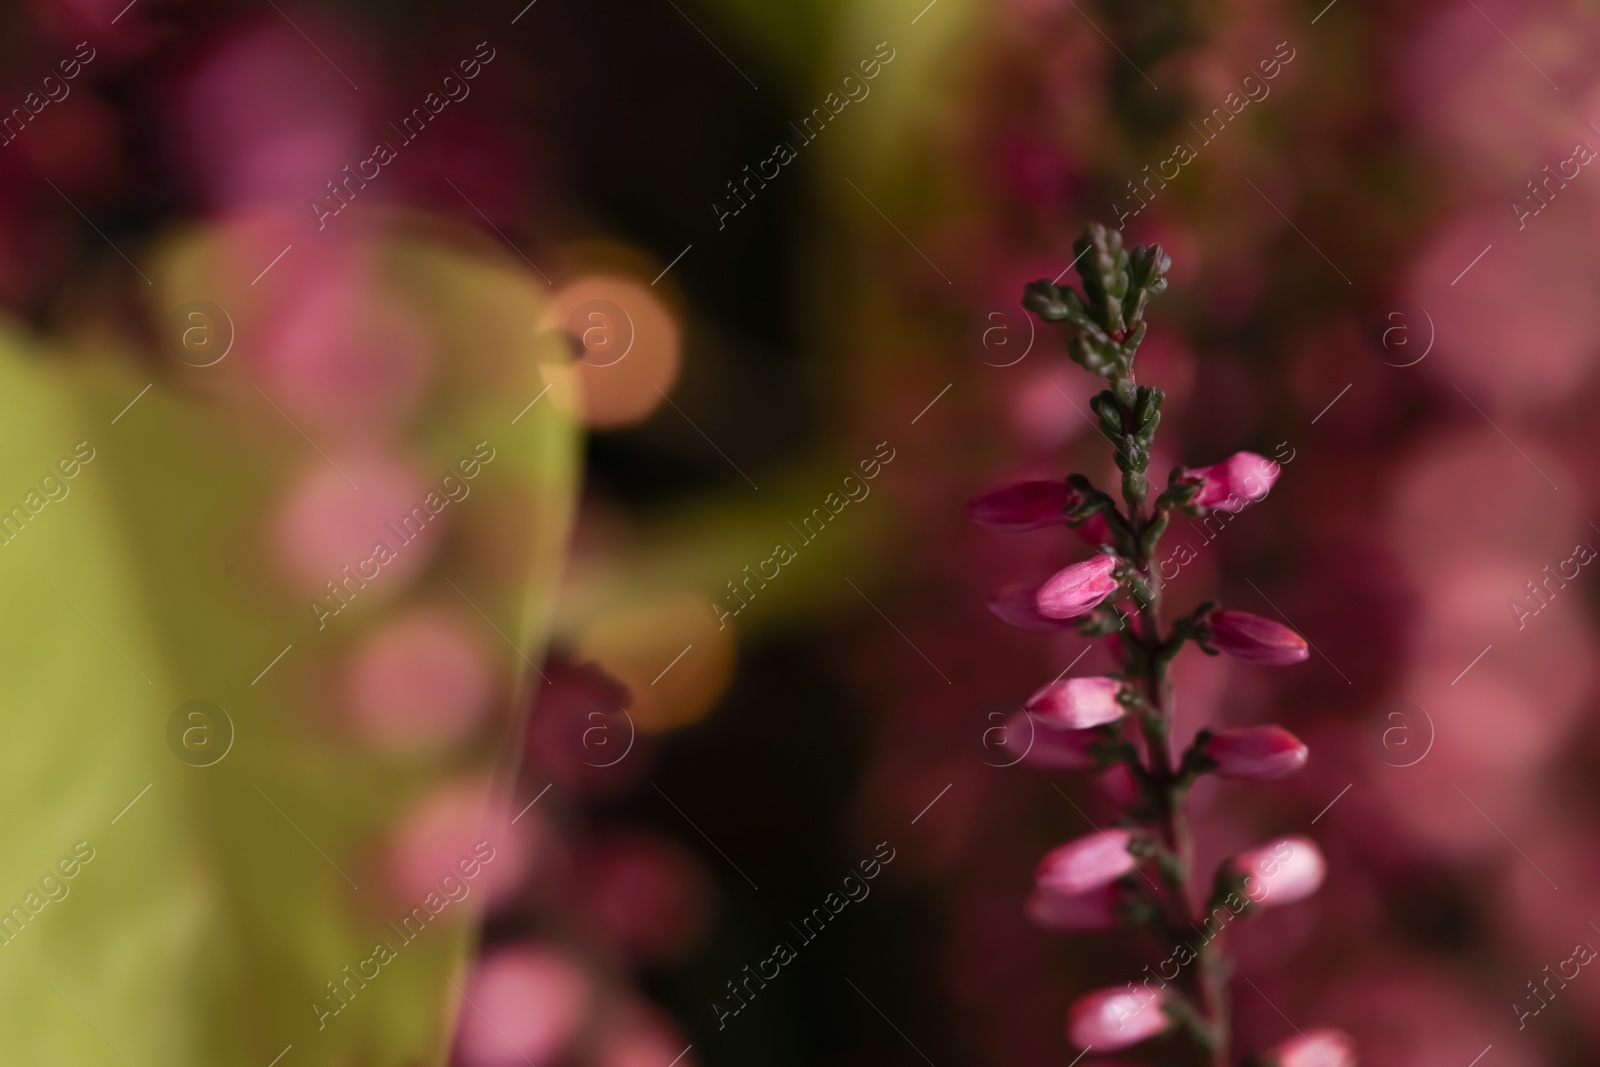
point(215, 908)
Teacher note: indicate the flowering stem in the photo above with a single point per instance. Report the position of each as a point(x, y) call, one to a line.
point(1156, 722)
point(1090, 881)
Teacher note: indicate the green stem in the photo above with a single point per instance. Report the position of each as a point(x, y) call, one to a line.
point(1156, 726)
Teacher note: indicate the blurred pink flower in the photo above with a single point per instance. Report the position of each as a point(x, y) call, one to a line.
point(420, 682)
point(1512, 299)
point(341, 352)
point(1074, 590)
point(1321, 1047)
point(1048, 400)
point(1095, 909)
point(1039, 742)
point(1255, 639)
point(1282, 871)
point(576, 722)
point(457, 821)
point(1241, 479)
point(1089, 862)
point(1023, 505)
point(1109, 1019)
point(647, 893)
point(638, 1037)
point(1017, 605)
point(327, 524)
point(526, 1003)
point(260, 120)
point(1256, 753)
point(1078, 703)
point(1119, 785)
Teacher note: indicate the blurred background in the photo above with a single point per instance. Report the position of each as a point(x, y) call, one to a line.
point(761, 263)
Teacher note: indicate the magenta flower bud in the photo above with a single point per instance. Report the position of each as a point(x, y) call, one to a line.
point(1096, 531)
point(1256, 753)
point(1322, 1047)
point(1023, 506)
point(1089, 862)
point(1109, 1019)
point(1251, 638)
point(1041, 743)
point(1076, 912)
point(1282, 872)
point(1078, 703)
point(1015, 605)
point(1119, 785)
point(1071, 592)
point(1240, 480)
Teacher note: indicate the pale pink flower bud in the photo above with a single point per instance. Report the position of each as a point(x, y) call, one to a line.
point(1241, 479)
point(1256, 753)
point(1322, 1047)
point(1109, 1019)
point(1016, 605)
point(1088, 862)
point(1078, 703)
point(1253, 638)
point(1076, 912)
point(1023, 506)
point(1071, 592)
point(1282, 872)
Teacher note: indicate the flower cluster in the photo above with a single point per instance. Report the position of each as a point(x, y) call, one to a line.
point(1138, 873)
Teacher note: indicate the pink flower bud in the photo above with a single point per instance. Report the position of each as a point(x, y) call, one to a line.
point(1256, 753)
point(1041, 743)
point(1109, 1019)
point(1240, 480)
point(1282, 872)
point(1078, 703)
point(1076, 912)
point(1071, 592)
point(1253, 639)
point(1119, 785)
point(1089, 862)
point(1096, 530)
point(1322, 1047)
point(1016, 605)
point(1023, 506)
